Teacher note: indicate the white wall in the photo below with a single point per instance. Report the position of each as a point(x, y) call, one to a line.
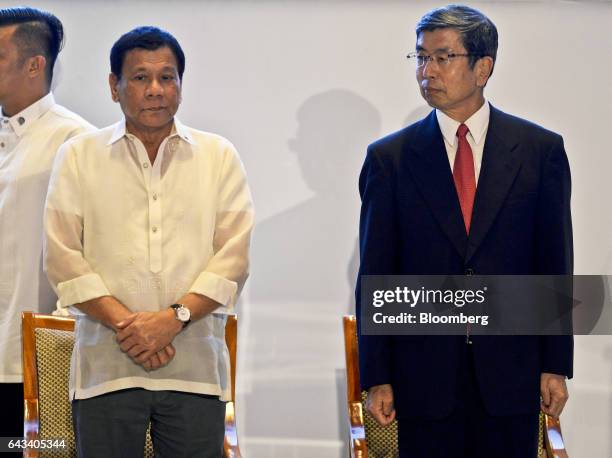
point(301, 88)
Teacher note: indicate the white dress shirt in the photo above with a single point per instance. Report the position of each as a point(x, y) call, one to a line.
point(478, 124)
point(147, 234)
point(28, 143)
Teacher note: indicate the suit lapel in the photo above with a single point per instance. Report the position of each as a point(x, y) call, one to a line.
point(500, 164)
point(428, 164)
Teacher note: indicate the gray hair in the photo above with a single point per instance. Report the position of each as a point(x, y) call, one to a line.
point(478, 33)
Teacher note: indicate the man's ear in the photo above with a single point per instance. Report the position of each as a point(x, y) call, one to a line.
point(36, 66)
point(484, 68)
point(112, 82)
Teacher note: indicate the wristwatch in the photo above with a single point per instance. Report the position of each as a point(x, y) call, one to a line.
point(182, 313)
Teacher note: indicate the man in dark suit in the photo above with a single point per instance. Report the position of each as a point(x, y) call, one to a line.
point(467, 190)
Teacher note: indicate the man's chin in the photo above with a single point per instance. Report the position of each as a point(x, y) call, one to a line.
point(154, 124)
point(430, 102)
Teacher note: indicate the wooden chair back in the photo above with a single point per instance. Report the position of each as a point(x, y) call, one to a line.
point(47, 348)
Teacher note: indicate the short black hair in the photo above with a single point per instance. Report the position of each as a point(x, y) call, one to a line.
point(478, 33)
point(38, 33)
point(145, 37)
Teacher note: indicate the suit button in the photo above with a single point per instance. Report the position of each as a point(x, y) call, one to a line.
point(469, 271)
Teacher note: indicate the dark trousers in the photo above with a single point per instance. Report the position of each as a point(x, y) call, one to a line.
point(11, 420)
point(183, 425)
point(469, 432)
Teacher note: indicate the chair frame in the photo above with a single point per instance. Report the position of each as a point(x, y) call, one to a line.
point(31, 424)
point(358, 446)
point(553, 443)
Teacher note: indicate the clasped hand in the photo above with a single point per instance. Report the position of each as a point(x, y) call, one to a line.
point(147, 337)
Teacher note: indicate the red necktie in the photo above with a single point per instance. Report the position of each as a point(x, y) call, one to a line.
point(464, 176)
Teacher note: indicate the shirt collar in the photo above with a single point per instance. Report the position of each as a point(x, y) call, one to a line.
point(477, 124)
point(178, 129)
point(26, 117)
point(183, 132)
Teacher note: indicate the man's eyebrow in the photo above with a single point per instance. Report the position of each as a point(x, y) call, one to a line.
point(439, 50)
point(142, 68)
point(139, 69)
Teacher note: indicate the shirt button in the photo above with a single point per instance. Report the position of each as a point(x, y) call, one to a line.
point(145, 165)
point(154, 229)
point(20, 120)
point(2, 144)
point(154, 196)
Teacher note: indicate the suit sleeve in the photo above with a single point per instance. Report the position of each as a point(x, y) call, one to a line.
point(377, 245)
point(554, 248)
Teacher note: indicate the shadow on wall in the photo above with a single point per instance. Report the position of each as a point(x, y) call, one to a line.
point(298, 289)
point(353, 267)
point(302, 253)
point(304, 266)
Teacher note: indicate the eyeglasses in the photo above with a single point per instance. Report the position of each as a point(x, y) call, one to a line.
point(442, 60)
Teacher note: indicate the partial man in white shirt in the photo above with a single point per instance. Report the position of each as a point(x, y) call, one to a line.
point(148, 226)
point(32, 128)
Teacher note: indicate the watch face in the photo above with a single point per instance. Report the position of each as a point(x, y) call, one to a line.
point(183, 314)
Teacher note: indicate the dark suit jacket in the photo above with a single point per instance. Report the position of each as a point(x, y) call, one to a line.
point(411, 224)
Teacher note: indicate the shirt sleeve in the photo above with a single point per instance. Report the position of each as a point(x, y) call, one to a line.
point(71, 276)
point(227, 271)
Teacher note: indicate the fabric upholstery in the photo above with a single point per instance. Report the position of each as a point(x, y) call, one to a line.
point(53, 352)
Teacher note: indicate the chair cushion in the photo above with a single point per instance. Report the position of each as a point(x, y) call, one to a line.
point(381, 440)
point(53, 352)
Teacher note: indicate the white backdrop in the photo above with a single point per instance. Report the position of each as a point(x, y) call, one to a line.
point(301, 88)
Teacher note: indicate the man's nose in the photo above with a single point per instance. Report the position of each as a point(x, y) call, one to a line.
point(429, 70)
point(155, 88)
